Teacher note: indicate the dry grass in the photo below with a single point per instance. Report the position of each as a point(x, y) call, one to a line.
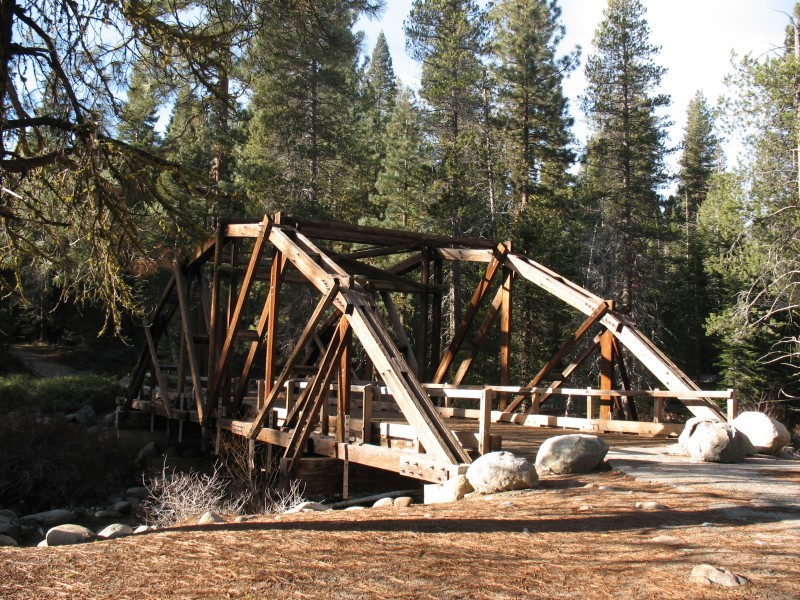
point(473, 549)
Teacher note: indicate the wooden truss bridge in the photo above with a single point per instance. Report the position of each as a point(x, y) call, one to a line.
point(224, 348)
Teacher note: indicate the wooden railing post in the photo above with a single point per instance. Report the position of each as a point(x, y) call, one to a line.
point(733, 406)
point(484, 422)
point(371, 393)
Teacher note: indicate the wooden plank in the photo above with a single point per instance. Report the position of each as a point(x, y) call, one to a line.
point(477, 298)
point(162, 383)
point(186, 326)
point(466, 254)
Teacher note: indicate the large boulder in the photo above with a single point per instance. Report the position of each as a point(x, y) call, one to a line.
point(713, 441)
point(65, 535)
point(115, 530)
point(50, 518)
point(452, 490)
point(574, 453)
point(768, 435)
point(501, 472)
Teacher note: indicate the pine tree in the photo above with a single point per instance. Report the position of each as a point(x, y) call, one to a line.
point(448, 38)
point(757, 265)
point(624, 162)
point(688, 305)
point(533, 110)
point(299, 156)
point(400, 198)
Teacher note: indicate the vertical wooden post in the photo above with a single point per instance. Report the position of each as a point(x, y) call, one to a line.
point(371, 392)
point(261, 394)
point(345, 474)
point(343, 389)
point(484, 422)
point(591, 405)
point(436, 314)
point(289, 386)
point(733, 406)
point(505, 333)
point(424, 309)
point(213, 319)
point(606, 371)
point(273, 297)
point(658, 410)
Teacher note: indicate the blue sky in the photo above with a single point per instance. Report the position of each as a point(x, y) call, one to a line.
point(696, 37)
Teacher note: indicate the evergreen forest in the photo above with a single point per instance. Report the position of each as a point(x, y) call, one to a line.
point(128, 126)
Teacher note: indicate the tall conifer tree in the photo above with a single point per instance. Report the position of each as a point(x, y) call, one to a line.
point(624, 162)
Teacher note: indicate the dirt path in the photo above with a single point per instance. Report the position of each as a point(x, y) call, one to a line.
point(575, 537)
point(39, 362)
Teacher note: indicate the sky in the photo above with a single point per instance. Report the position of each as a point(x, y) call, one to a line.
point(696, 38)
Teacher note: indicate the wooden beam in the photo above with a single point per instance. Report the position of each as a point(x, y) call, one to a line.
point(563, 351)
point(424, 313)
point(400, 332)
point(505, 331)
point(480, 338)
point(606, 372)
point(323, 305)
point(466, 254)
point(477, 298)
point(273, 303)
point(343, 391)
point(186, 326)
point(162, 383)
point(215, 379)
point(317, 394)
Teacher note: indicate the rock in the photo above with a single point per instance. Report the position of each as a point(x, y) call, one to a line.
point(651, 506)
point(93, 430)
point(585, 507)
point(575, 453)
point(50, 518)
point(141, 529)
point(768, 435)
point(110, 419)
point(66, 535)
point(355, 508)
point(42, 544)
point(123, 507)
point(8, 514)
point(500, 472)
point(107, 514)
point(115, 530)
point(137, 492)
point(403, 502)
point(451, 490)
point(209, 518)
point(85, 415)
point(383, 503)
point(10, 530)
point(708, 575)
point(7, 540)
point(668, 540)
point(149, 450)
point(307, 507)
point(713, 441)
point(241, 519)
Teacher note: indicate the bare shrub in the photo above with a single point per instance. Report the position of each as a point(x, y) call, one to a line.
point(174, 497)
point(279, 500)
